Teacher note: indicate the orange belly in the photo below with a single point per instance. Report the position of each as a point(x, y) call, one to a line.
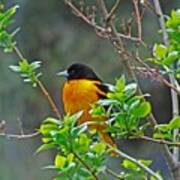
point(80, 95)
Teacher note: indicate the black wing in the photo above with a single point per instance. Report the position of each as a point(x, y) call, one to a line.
point(104, 88)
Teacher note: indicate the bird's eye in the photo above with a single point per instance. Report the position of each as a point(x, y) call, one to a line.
point(73, 71)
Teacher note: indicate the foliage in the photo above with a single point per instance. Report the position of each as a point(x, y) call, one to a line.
point(28, 71)
point(124, 109)
point(165, 131)
point(167, 55)
point(133, 171)
point(80, 153)
point(6, 39)
point(72, 143)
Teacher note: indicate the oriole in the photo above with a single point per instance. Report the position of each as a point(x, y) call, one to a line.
point(82, 89)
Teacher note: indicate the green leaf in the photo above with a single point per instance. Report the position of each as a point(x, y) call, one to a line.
point(158, 135)
point(14, 68)
point(70, 157)
point(174, 123)
point(145, 162)
point(59, 161)
point(174, 20)
point(142, 110)
point(162, 127)
point(160, 51)
point(130, 165)
point(46, 128)
point(24, 66)
point(120, 84)
point(172, 56)
point(45, 147)
point(133, 102)
point(98, 110)
point(77, 130)
point(52, 120)
point(84, 140)
point(99, 148)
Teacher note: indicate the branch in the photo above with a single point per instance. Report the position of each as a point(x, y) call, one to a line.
point(138, 18)
point(113, 35)
point(138, 163)
point(173, 161)
point(41, 86)
point(112, 173)
point(159, 141)
point(101, 31)
point(19, 136)
point(86, 166)
point(155, 73)
point(49, 98)
point(84, 17)
point(113, 10)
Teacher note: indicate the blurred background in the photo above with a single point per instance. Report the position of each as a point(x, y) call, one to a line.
point(52, 34)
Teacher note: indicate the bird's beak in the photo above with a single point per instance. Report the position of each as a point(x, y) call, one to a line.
point(62, 73)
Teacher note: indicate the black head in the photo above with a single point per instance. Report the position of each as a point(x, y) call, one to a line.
point(80, 71)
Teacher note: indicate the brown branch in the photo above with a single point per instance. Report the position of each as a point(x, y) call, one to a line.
point(137, 162)
point(19, 136)
point(138, 18)
point(159, 141)
point(115, 38)
point(84, 17)
point(86, 166)
point(50, 100)
point(113, 174)
point(41, 86)
point(18, 52)
point(174, 165)
point(101, 31)
point(123, 53)
point(156, 74)
point(113, 10)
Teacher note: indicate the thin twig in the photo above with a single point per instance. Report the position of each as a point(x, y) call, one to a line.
point(173, 161)
point(159, 141)
point(138, 18)
point(138, 163)
point(81, 15)
point(112, 173)
point(86, 166)
point(42, 87)
point(113, 10)
point(101, 31)
point(50, 100)
point(18, 52)
point(122, 52)
point(174, 96)
point(156, 74)
point(20, 126)
point(19, 136)
point(2, 126)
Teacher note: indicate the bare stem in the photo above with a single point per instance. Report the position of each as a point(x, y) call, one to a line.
point(138, 18)
point(159, 141)
point(175, 104)
point(86, 166)
point(18, 52)
point(49, 98)
point(112, 173)
point(113, 10)
point(41, 86)
point(138, 163)
point(19, 136)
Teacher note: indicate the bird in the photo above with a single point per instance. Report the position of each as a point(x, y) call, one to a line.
point(81, 90)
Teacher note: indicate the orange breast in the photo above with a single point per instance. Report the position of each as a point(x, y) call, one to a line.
point(80, 95)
